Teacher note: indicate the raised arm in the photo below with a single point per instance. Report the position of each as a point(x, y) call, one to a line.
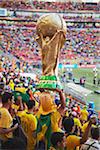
point(86, 133)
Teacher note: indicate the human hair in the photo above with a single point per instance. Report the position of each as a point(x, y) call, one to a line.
point(6, 96)
point(95, 133)
point(56, 137)
point(14, 144)
point(68, 124)
point(30, 104)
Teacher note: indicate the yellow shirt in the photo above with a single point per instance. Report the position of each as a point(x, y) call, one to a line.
point(72, 141)
point(21, 89)
point(20, 113)
point(55, 118)
point(5, 122)
point(11, 84)
point(14, 106)
point(29, 124)
point(77, 122)
point(84, 114)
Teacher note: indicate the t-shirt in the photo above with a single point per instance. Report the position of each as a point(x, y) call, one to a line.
point(84, 115)
point(29, 124)
point(77, 122)
point(55, 118)
point(5, 122)
point(20, 113)
point(91, 144)
point(14, 106)
point(72, 141)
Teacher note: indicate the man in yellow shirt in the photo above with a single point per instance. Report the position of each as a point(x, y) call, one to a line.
point(29, 124)
point(84, 115)
point(73, 141)
point(49, 116)
point(6, 118)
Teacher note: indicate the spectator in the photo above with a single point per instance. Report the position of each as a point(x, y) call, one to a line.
point(29, 124)
point(57, 141)
point(84, 115)
point(5, 118)
point(93, 142)
point(71, 138)
point(49, 117)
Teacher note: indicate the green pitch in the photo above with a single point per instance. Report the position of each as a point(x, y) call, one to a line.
point(89, 74)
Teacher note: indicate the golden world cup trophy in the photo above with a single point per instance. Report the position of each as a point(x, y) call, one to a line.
point(51, 31)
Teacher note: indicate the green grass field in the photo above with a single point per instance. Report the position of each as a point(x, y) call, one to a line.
point(88, 73)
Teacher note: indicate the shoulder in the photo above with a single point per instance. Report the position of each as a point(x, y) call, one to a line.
point(73, 139)
point(4, 112)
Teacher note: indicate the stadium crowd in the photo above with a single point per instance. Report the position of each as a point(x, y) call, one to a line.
point(44, 119)
point(51, 6)
point(32, 118)
point(19, 40)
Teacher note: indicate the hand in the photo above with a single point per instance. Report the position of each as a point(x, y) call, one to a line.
point(15, 126)
point(60, 31)
point(93, 120)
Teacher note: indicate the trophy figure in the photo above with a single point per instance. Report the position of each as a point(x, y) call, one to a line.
point(51, 31)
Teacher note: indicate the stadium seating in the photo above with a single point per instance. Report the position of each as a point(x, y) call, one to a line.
point(51, 6)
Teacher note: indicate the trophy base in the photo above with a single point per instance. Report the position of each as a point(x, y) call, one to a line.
point(49, 82)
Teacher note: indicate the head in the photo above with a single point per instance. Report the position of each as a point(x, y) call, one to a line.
point(18, 99)
point(30, 104)
point(7, 98)
point(68, 124)
point(58, 140)
point(95, 133)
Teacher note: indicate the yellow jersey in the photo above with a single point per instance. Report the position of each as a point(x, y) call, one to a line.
point(5, 122)
point(77, 122)
point(84, 115)
point(72, 142)
point(29, 124)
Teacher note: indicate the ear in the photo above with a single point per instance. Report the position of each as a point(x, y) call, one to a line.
point(58, 144)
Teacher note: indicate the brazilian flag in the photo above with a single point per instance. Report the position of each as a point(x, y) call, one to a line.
point(25, 96)
point(44, 130)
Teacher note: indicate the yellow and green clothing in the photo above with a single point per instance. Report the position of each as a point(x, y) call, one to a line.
point(46, 125)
